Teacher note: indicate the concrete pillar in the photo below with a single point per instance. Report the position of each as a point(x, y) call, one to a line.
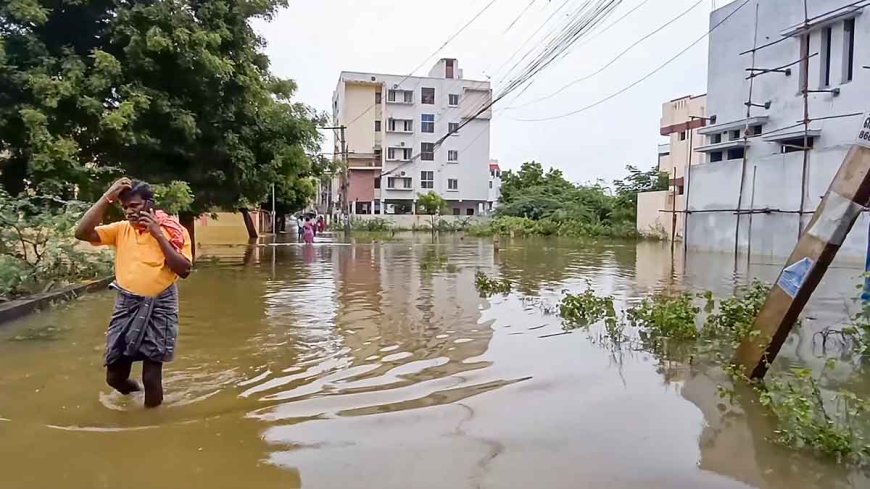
point(372, 204)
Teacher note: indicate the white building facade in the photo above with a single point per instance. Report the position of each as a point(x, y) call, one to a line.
point(763, 176)
point(494, 186)
point(398, 145)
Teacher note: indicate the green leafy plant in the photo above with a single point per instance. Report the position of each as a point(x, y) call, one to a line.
point(834, 425)
point(664, 316)
point(734, 320)
point(371, 225)
point(37, 248)
point(489, 286)
point(580, 310)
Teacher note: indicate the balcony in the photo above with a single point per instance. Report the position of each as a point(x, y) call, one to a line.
point(400, 126)
point(400, 97)
point(399, 154)
point(400, 183)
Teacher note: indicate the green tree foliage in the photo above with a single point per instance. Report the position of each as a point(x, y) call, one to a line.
point(431, 203)
point(547, 203)
point(162, 91)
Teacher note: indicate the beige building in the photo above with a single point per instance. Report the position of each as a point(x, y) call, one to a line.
point(681, 119)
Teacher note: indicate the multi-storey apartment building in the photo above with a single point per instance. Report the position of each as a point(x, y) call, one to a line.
point(402, 138)
point(764, 175)
point(681, 120)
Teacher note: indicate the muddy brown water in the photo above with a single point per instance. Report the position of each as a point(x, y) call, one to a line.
point(376, 364)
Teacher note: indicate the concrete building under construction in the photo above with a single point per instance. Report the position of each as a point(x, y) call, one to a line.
point(786, 89)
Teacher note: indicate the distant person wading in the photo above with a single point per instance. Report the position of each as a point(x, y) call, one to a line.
point(152, 250)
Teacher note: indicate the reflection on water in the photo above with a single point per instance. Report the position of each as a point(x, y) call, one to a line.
point(376, 364)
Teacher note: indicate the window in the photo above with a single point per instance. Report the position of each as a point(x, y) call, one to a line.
point(409, 97)
point(682, 135)
point(427, 122)
point(377, 182)
point(453, 100)
point(755, 130)
point(490, 184)
point(715, 138)
point(735, 134)
point(804, 63)
point(378, 97)
point(715, 156)
point(469, 211)
point(827, 33)
point(848, 50)
point(427, 96)
point(427, 179)
point(736, 153)
point(378, 153)
point(796, 144)
point(391, 96)
point(456, 211)
point(452, 128)
point(408, 125)
point(377, 126)
point(452, 184)
point(452, 155)
point(427, 151)
point(449, 69)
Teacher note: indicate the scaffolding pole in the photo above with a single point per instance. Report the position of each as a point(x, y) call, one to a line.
point(749, 105)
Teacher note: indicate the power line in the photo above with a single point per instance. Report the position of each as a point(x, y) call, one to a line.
point(583, 20)
point(612, 61)
point(425, 60)
point(643, 78)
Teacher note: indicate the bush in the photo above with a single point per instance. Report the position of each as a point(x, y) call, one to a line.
point(586, 308)
point(371, 225)
point(807, 420)
point(37, 249)
point(665, 316)
point(489, 286)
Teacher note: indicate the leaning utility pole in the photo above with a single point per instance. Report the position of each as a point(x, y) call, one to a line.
point(847, 196)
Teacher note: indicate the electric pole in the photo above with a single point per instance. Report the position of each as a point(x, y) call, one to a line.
point(345, 179)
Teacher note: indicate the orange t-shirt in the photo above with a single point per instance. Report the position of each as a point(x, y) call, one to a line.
point(140, 265)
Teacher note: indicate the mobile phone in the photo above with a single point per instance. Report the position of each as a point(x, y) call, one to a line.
point(148, 206)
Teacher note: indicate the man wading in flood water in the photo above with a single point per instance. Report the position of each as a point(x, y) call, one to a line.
point(151, 251)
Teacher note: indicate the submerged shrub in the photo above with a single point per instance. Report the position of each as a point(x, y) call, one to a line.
point(806, 419)
point(489, 286)
point(578, 310)
point(665, 316)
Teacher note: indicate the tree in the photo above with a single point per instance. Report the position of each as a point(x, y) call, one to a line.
point(637, 182)
point(162, 91)
point(431, 204)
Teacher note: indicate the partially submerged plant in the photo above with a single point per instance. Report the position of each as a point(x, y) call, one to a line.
point(664, 316)
point(734, 321)
point(489, 286)
point(579, 310)
point(833, 425)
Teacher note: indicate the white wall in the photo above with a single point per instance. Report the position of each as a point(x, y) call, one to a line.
point(778, 179)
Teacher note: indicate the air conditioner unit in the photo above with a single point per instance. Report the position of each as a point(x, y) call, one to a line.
point(395, 85)
point(401, 173)
point(402, 144)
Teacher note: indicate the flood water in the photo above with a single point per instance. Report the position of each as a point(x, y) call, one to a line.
point(376, 364)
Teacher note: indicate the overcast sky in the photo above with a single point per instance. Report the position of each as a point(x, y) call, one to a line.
point(312, 41)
